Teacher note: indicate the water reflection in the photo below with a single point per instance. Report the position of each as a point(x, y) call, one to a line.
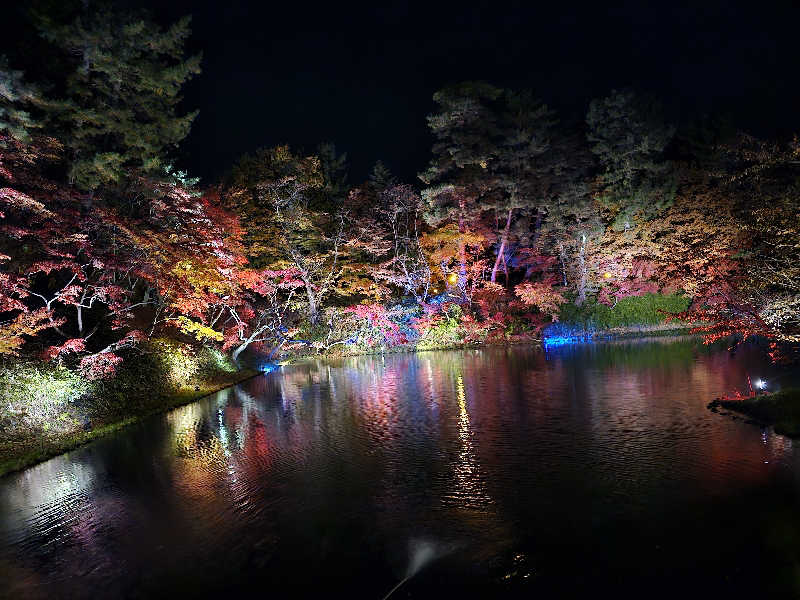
point(524, 465)
point(469, 487)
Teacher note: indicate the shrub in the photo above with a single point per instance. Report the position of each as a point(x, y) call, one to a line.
point(38, 396)
point(440, 327)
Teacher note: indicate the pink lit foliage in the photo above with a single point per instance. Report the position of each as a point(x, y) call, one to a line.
point(541, 295)
point(71, 346)
point(104, 364)
point(99, 366)
point(375, 326)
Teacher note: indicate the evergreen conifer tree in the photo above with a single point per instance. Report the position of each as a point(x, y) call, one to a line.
point(458, 178)
point(381, 177)
point(629, 135)
point(333, 167)
point(522, 162)
point(16, 98)
point(118, 113)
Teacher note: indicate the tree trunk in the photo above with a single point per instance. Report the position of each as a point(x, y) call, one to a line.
point(313, 308)
point(80, 312)
point(502, 249)
point(239, 349)
point(243, 346)
point(537, 228)
point(562, 255)
point(462, 250)
point(583, 273)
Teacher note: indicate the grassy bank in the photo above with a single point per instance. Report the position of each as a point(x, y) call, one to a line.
point(779, 409)
point(648, 310)
point(49, 409)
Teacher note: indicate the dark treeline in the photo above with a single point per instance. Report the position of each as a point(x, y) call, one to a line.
point(518, 221)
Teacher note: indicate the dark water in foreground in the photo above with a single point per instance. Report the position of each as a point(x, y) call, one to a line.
point(594, 469)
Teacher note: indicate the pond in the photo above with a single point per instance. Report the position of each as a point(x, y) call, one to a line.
point(586, 469)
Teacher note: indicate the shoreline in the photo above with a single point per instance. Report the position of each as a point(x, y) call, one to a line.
point(21, 454)
point(599, 335)
point(34, 451)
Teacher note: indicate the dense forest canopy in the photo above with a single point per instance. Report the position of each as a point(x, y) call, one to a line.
point(363, 74)
point(520, 218)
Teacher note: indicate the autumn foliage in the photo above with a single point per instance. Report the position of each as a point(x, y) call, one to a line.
point(518, 220)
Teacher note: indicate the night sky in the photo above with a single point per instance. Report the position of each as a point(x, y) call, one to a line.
point(362, 76)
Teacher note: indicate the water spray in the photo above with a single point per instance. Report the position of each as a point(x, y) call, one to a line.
point(421, 553)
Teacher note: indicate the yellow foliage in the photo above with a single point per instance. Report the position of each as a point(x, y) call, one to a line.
point(24, 324)
point(444, 244)
point(198, 330)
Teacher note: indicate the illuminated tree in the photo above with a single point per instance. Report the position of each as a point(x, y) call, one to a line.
point(381, 177)
point(17, 97)
point(454, 254)
point(95, 277)
point(119, 110)
point(572, 225)
point(26, 325)
point(765, 298)
point(465, 129)
point(521, 162)
point(628, 134)
point(542, 296)
point(263, 316)
point(387, 227)
point(281, 198)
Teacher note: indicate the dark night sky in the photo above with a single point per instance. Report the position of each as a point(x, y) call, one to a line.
point(363, 75)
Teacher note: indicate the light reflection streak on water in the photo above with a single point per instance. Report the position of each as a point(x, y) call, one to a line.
point(429, 372)
point(470, 487)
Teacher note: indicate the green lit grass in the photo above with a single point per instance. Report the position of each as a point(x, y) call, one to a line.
point(632, 311)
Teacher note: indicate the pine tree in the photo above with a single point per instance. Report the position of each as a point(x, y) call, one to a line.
point(629, 135)
point(522, 162)
point(572, 224)
point(16, 98)
point(334, 168)
point(381, 178)
point(465, 130)
point(119, 111)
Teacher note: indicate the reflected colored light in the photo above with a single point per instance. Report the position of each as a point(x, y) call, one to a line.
point(463, 416)
point(557, 340)
point(560, 334)
point(269, 367)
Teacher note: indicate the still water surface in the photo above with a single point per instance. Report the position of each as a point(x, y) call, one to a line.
point(591, 469)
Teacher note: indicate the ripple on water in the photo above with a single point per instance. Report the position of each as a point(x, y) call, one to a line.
point(317, 476)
